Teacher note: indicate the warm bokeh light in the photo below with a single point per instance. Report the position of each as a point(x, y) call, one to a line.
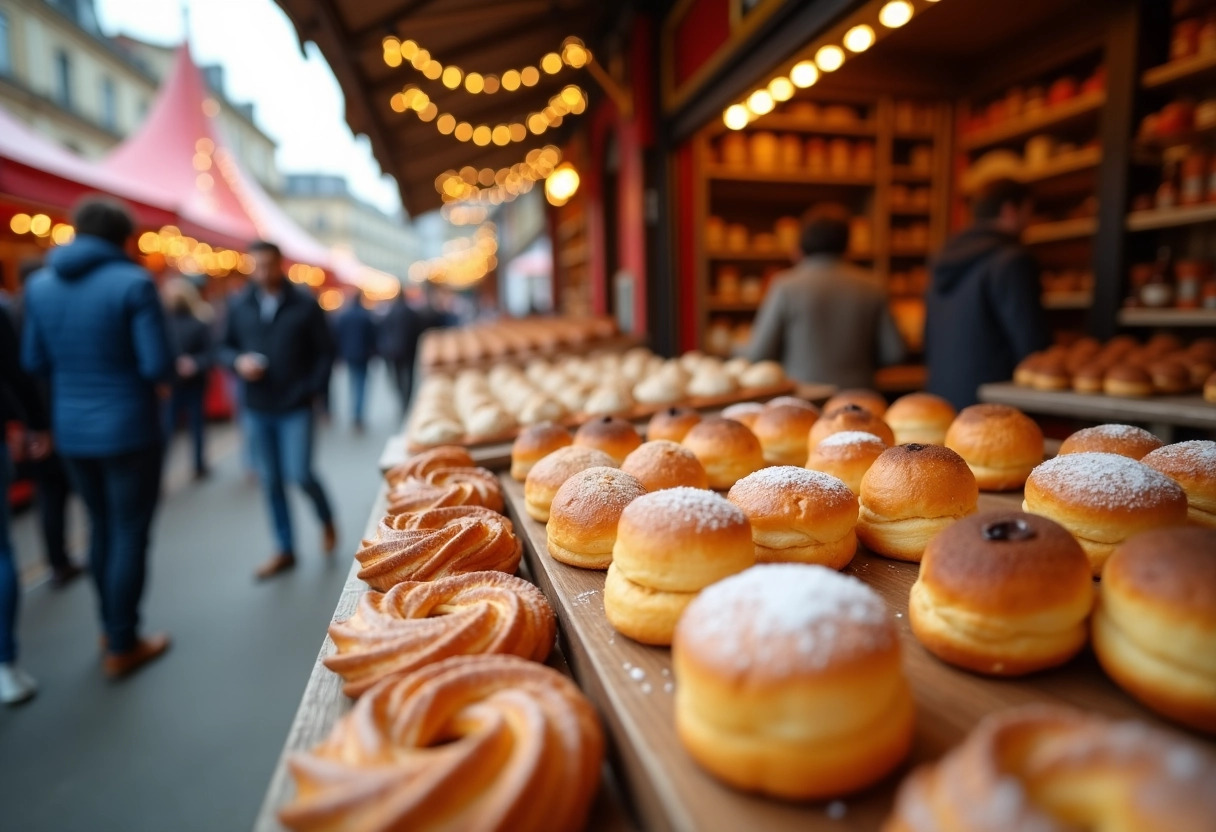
point(760, 102)
point(20, 223)
point(736, 117)
point(40, 225)
point(551, 63)
point(561, 184)
point(510, 80)
point(829, 58)
point(781, 89)
point(62, 234)
point(464, 131)
point(529, 76)
point(330, 300)
point(859, 38)
point(452, 76)
point(474, 83)
point(895, 14)
point(446, 123)
point(804, 74)
point(482, 135)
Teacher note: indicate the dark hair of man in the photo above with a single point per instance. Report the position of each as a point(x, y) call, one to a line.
point(992, 198)
point(265, 245)
point(825, 230)
point(104, 217)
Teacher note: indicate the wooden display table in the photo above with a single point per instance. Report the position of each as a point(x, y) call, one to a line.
point(1161, 414)
point(632, 686)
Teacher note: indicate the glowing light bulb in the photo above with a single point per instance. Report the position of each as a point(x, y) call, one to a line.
point(781, 89)
point(760, 102)
point(895, 14)
point(736, 117)
point(859, 38)
point(829, 58)
point(804, 74)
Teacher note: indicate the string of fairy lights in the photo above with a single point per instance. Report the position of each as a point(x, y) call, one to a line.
point(570, 100)
point(572, 54)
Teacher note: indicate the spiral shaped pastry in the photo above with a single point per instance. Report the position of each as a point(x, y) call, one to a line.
point(438, 542)
point(413, 481)
point(472, 742)
point(414, 495)
point(419, 465)
point(418, 623)
point(1044, 769)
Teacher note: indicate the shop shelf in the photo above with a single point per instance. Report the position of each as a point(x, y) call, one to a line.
point(1068, 300)
point(909, 211)
point(909, 251)
point(722, 174)
point(1155, 143)
point(749, 256)
point(794, 124)
point(719, 305)
point(1170, 217)
point(1063, 165)
point(1050, 232)
point(1061, 115)
point(1167, 317)
point(1181, 71)
point(903, 173)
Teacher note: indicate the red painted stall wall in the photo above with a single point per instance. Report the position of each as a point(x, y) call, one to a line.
point(704, 27)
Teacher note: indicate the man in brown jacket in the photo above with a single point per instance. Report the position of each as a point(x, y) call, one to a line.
point(826, 320)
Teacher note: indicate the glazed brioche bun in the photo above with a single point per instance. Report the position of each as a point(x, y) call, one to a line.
point(847, 456)
point(911, 493)
point(672, 423)
point(920, 417)
point(643, 614)
point(548, 475)
point(789, 683)
point(798, 515)
point(783, 431)
point(1124, 440)
point(1023, 373)
point(534, 444)
point(745, 413)
point(849, 417)
point(1170, 376)
point(584, 515)
point(1051, 373)
point(1128, 380)
point(1103, 499)
point(791, 400)
point(1193, 466)
point(727, 450)
point(1002, 593)
point(1154, 628)
point(613, 436)
point(870, 400)
point(762, 374)
point(1090, 376)
point(661, 464)
point(1001, 445)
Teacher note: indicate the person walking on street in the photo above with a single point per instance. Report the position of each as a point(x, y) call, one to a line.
point(355, 331)
point(983, 311)
point(278, 342)
point(95, 327)
point(189, 322)
point(398, 343)
point(19, 402)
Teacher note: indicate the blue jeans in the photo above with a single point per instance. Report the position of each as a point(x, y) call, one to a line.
point(10, 592)
point(283, 447)
point(358, 389)
point(188, 399)
point(120, 493)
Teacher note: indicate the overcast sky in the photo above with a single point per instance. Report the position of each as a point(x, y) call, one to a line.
point(297, 100)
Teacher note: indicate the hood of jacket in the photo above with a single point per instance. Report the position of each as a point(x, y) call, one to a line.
point(961, 253)
point(83, 255)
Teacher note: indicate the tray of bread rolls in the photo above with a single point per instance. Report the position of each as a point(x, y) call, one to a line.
point(885, 619)
point(517, 340)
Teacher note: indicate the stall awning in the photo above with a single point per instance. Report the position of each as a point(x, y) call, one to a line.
point(482, 36)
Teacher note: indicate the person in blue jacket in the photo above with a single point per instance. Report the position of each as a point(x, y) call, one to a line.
point(355, 332)
point(95, 328)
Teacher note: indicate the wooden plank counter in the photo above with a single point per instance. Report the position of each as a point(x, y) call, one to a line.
point(632, 686)
point(1161, 413)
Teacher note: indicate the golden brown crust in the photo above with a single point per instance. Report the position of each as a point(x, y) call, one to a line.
point(920, 417)
point(744, 413)
point(1051, 373)
point(1125, 440)
point(584, 515)
point(533, 444)
point(849, 417)
point(727, 449)
point(1000, 444)
point(870, 400)
point(1126, 379)
point(847, 456)
point(613, 436)
point(1089, 377)
point(662, 464)
point(1209, 389)
point(1192, 465)
point(1170, 376)
point(419, 465)
point(547, 476)
point(672, 423)
point(798, 515)
point(783, 431)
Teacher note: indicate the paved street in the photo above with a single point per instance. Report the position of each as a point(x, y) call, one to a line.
point(190, 742)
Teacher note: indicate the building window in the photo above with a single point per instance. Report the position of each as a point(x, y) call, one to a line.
point(6, 55)
point(63, 78)
point(109, 104)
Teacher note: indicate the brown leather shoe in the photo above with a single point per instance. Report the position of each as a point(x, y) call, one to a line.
point(329, 538)
point(118, 665)
point(282, 562)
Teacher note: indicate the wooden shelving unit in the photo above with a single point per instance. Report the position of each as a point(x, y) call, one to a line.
point(1195, 68)
point(1171, 217)
point(753, 176)
point(1086, 159)
point(778, 121)
point(1079, 109)
point(1050, 232)
point(1167, 317)
point(1068, 300)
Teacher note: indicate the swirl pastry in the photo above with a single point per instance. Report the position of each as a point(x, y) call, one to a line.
point(419, 465)
point(436, 543)
point(414, 495)
point(414, 479)
point(417, 623)
point(1059, 770)
point(471, 742)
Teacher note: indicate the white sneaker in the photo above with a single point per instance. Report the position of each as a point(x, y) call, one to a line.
point(15, 685)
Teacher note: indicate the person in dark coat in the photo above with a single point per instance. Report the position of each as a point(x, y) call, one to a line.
point(95, 327)
point(984, 313)
point(398, 343)
point(189, 322)
point(19, 402)
point(277, 340)
point(355, 331)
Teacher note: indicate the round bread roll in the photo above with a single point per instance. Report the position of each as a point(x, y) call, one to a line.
point(798, 515)
point(547, 476)
point(584, 515)
point(672, 424)
point(1193, 466)
point(1162, 343)
point(847, 456)
point(1023, 373)
point(670, 545)
point(1103, 499)
point(1199, 368)
point(762, 374)
point(870, 400)
point(727, 450)
point(1051, 373)
point(712, 381)
point(1170, 376)
point(613, 436)
point(789, 683)
point(920, 417)
point(1051, 769)
point(1001, 445)
point(1209, 389)
point(1204, 347)
point(911, 493)
point(790, 400)
point(534, 444)
point(1090, 377)
point(1154, 627)
point(745, 413)
point(539, 408)
point(849, 417)
point(608, 399)
point(658, 389)
point(736, 366)
point(1002, 593)
point(1127, 380)
point(1124, 440)
point(663, 464)
point(783, 432)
